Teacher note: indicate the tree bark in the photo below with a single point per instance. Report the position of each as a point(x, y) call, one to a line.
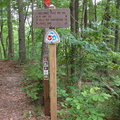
point(84, 17)
point(106, 19)
point(1, 34)
point(95, 10)
point(74, 4)
point(91, 13)
point(117, 26)
point(44, 93)
point(0, 53)
point(10, 33)
point(21, 32)
point(32, 30)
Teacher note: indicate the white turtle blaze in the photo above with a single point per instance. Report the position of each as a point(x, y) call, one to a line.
point(51, 37)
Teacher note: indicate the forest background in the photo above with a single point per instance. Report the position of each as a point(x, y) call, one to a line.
point(88, 56)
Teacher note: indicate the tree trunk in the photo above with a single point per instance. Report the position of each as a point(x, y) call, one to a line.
point(0, 53)
point(74, 29)
point(95, 10)
point(32, 30)
point(10, 33)
point(105, 21)
point(21, 32)
point(117, 26)
point(84, 17)
point(1, 33)
point(91, 13)
point(44, 94)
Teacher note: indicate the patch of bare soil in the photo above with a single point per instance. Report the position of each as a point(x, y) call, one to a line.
point(14, 104)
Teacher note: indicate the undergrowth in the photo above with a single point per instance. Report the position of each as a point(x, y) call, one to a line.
point(32, 80)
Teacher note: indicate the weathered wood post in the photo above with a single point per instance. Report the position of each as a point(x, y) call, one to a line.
point(52, 38)
point(53, 83)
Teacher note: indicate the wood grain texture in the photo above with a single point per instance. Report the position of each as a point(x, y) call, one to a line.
point(53, 84)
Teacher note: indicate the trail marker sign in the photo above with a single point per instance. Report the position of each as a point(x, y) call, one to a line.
point(45, 68)
point(52, 37)
point(51, 18)
point(46, 18)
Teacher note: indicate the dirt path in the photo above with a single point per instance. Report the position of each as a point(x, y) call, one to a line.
point(13, 103)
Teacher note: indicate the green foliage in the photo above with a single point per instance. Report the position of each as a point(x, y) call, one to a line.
point(84, 105)
point(93, 57)
point(111, 108)
point(3, 3)
point(31, 80)
point(62, 94)
point(94, 62)
point(61, 4)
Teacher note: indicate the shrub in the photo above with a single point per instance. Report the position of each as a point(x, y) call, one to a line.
point(32, 80)
point(84, 105)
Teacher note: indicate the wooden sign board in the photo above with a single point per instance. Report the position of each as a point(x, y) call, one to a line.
point(46, 18)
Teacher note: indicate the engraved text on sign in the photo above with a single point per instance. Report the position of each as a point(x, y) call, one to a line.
point(46, 18)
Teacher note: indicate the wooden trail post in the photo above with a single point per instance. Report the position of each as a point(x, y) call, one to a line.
point(52, 38)
point(53, 85)
point(51, 18)
point(46, 78)
point(46, 86)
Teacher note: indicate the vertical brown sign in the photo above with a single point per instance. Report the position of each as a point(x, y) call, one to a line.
point(45, 67)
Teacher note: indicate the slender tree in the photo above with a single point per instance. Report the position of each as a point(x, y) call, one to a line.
point(21, 32)
point(32, 29)
point(10, 32)
point(95, 6)
point(106, 20)
point(74, 29)
point(91, 13)
point(117, 26)
point(84, 17)
point(1, 32)
point(0, 53)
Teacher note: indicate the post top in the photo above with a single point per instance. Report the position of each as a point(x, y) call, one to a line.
point(51, 6)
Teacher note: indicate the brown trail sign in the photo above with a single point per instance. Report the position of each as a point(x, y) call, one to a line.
point(51, 18)
point(46, 18)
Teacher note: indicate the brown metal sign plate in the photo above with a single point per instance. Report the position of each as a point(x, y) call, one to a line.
point(46, 18)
